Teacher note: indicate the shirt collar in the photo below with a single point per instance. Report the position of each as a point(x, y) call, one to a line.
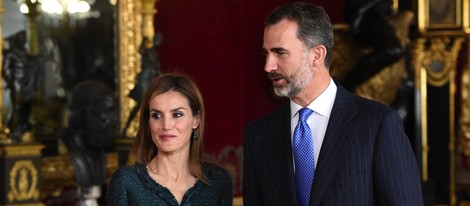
point(322, 104)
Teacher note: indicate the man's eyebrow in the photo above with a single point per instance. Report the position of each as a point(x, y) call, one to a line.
point(275, 50)
point(278, 49)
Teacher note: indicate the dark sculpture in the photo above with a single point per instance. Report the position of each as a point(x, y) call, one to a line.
point(369, 25)
point(20, 74)
point(150, 68)
point(92, 127)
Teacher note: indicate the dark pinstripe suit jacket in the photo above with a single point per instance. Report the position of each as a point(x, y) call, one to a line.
point(365, 159)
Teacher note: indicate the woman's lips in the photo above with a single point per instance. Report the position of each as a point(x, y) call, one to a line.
point(167, 136)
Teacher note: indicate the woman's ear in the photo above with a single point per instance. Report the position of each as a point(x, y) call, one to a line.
point(196, 121)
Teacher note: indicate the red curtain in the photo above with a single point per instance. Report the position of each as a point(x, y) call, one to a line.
point(218, 43)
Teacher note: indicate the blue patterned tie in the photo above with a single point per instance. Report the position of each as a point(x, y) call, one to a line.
point(303, 157)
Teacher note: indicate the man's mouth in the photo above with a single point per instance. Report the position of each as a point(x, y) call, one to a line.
point(276, 78)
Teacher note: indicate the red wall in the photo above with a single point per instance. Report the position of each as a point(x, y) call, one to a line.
point(218, 42)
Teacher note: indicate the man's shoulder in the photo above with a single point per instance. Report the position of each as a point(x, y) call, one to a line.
point(275, 115)
point(371, 105)
point(360, 102)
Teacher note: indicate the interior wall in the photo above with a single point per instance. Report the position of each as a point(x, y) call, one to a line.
point(218, 42)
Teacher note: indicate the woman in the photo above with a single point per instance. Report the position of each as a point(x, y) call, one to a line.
point(169, 167)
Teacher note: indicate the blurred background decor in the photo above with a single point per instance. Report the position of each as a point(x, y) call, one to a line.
point(69, 42)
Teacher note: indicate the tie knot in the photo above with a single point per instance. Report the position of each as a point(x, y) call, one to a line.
point(304, 113)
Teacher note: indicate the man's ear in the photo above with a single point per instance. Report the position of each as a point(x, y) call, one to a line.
point(317, 55)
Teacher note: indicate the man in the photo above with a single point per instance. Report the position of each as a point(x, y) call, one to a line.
point(361, 156)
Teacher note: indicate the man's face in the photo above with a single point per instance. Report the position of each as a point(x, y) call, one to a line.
point(286, 59)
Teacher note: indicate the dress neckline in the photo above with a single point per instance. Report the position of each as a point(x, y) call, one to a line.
point(162, 190)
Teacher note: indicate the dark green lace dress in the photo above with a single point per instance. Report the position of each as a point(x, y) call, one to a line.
point(132, 185)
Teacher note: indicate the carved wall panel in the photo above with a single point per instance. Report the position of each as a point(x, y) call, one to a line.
point(435, 64)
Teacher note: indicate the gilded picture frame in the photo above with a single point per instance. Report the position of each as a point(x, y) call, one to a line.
point(444, 14)
point(439, 15)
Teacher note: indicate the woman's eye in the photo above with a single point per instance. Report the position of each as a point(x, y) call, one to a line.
point(177, 114)
point(156, 115)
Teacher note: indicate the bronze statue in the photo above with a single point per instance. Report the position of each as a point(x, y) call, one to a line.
point(369, 25)
point(150, 68)
point(20, 74)
point(92, 127)
point(374, 25)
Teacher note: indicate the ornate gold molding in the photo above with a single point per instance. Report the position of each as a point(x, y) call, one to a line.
point(21, 174)
point(464, 120)
point(135, 22)
point(466, 15)
point(440, 57)
point(435, 61)
point(237, 201)
point(129, 38)
point(148, 12)
point(58, 172)
point(23, 181)
point(3, 129)
point(2, 10)
point(463, 133)
point(20, 150)
point(435, 64)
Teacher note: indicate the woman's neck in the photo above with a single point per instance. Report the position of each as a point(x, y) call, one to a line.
point(170, 166)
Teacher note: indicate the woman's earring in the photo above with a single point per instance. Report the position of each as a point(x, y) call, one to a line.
point(194, 134)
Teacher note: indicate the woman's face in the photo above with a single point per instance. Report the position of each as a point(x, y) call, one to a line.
point(171, 122)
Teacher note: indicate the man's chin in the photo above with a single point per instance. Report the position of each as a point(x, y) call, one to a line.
point(281, 92)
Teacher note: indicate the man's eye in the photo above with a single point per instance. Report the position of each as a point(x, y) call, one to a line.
point(264, 52)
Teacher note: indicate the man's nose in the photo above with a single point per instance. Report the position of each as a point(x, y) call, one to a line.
point(270, 64)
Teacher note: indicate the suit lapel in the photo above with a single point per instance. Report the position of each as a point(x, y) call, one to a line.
point(280, 153)
point(335, 143)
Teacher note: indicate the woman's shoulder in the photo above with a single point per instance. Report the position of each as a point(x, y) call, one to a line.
point(220, 179)
point(214, 171)
point(127, 171)
point(209, 166)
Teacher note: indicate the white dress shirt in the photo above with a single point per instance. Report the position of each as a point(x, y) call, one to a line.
point(318, 121)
